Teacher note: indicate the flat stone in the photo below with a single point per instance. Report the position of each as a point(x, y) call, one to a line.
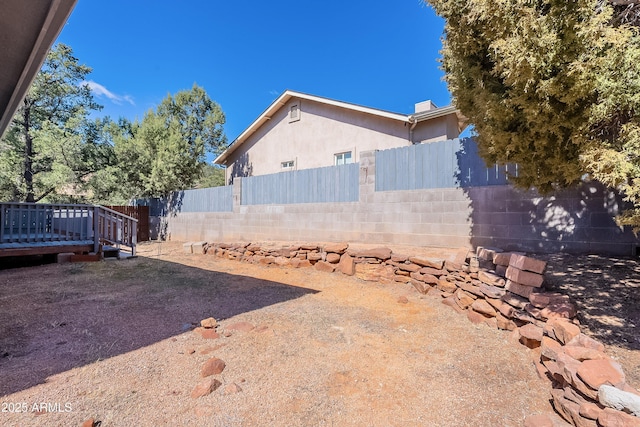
point(338, 248)
point(438, 264)
point(208, 323)
point(446, 286)
point(526, 263)
point(563, 330)
point(91, 422)
point(492, 291)
point(519, 289)
point(504, 323)
point(205, 387)
point(433, 271)
point(476, 317)
point(504, 258)
point(612, 418)
point(602, 371)
point(314, 256)
point(399, 257)
point(526, 278)
point(379, 253)
point(486, 253)
point(461, 256)
point(543, 299)
point(471, 288)
point(491, 279)
point(451, 302)
point(325, 266)
point(483, 307)
point(621, 400)
point(241, 326)
point(402, 279)
point(566, 408)
point(550, 348)
point(590, 410)
point(583, 353)
point(347, 265)
point(282, 261)
point(411, 268)
point(515, 300)
point(565, 310)
point(463, 299)
point(303, 264)
point(530, 335)
point(420, 286)
point(427, 278)
point(213, 366)
point(586, 341)
point(453, 266)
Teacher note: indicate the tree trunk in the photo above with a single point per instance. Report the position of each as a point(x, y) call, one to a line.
point(28, 153)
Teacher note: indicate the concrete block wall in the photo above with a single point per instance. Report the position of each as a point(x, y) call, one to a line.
point(579, 221)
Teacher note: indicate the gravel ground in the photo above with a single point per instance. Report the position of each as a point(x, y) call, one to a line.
point(113, 341)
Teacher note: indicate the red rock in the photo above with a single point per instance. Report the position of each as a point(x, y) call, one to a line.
point(476, 317)
point(208, 323)
point(566, 310)
point(612, 418)
point(519, 289)
point(530, 335)
point(89, 423)
point(304, 263)
point(212, 366)
point(501, 270)
point(369, 272)
point(267, 260)
point(325, 267)
point(411, 268)
point(492, 291)
point(515, 300)
point(461, 256)
point(433, 271)
point(314, 256)
point(338, 248)
point(585, 341)
point(403, 300)
point(452, 266)
point(402, 279)
point(471, 288)
point(446, 286)
point(483, 307)
point(563, 330)
point(590, 410)
point(504, 258)
point(543, 299)
point(205, 387)
point(602, 371)
point(379, 253)
point(463, 299)
point(420, 286)
point(232, 388)
point(527, 263)
point(241, 326)
point(451, 302)
point(582, 353)
point(333, 258)
point(282, 261)
point(504, 323)
point(491, 279)
point(566, 408)
point(550, 348)
point(346, 265)
point(428, 262)
point(399, 257)
point(426, 278)
point(525, 278)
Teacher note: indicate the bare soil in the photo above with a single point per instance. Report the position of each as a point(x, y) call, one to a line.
point(113, 340)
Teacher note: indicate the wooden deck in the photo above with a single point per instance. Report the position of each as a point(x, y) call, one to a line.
point(38, 229)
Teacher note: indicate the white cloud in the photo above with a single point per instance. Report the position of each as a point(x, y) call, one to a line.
point(101, 91)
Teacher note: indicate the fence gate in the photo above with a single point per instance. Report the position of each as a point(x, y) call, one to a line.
point(141, 213)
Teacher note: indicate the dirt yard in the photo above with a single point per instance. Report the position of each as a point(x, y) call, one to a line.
point(113, 341)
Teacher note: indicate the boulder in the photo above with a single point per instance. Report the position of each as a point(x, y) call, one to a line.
point(615, 398)
point(347, 265)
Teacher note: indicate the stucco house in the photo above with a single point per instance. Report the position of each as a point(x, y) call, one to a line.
point(302, 131)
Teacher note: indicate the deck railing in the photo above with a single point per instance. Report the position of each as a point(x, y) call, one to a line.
point(37, 223)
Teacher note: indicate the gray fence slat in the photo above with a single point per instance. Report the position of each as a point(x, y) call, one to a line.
point(443, 164)
point(320, 185)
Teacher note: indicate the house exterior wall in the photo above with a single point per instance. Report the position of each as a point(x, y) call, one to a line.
point(321, 132)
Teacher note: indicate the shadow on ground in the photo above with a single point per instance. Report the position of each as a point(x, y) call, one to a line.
point(57, 317)
point(607, 291)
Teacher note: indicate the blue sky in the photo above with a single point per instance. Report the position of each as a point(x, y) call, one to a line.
point(378, 53)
